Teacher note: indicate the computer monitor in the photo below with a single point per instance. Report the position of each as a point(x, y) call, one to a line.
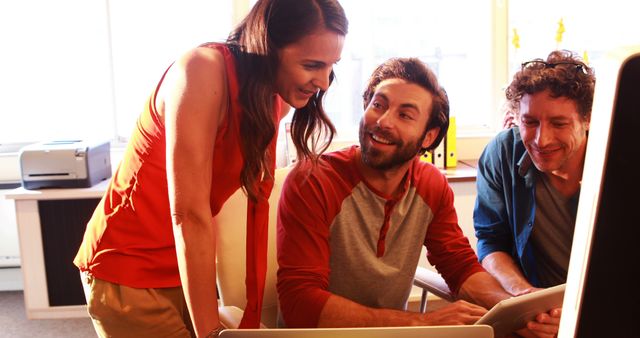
point(602, 297)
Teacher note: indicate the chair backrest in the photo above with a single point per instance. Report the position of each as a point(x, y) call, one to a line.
point(231, 252)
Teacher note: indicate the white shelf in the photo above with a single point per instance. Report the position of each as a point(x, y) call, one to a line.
point(21, 193)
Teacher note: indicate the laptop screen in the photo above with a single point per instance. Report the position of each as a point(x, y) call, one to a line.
point(466, 331)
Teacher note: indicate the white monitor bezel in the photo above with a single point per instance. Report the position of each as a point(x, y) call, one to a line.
point(607, 83)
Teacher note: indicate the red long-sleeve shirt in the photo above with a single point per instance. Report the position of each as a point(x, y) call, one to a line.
point(337, 235)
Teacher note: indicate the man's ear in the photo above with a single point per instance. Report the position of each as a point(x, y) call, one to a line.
point(429, 137)
point(587, 123)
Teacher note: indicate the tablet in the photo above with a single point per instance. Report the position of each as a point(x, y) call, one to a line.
point(514, 313)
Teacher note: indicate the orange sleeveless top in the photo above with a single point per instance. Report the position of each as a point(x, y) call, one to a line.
point(129, 239)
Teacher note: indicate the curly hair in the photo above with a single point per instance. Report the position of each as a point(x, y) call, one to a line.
point(564, 74)
point(414, 71)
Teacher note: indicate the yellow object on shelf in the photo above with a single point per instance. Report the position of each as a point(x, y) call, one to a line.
point(450, 145)
point(427, 157)
point(585, 58)
point(446, 154)
point(560, 31)
point(515, 41)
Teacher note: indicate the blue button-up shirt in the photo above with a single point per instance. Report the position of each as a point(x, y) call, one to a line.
point(506, 203)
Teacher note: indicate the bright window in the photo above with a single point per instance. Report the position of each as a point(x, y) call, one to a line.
point(55, 78)
point(456, 38)
point(78, 69)
point(590, 28)
point(147, 36)
point(82, 69)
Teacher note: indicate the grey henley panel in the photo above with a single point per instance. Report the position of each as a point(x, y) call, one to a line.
point(356, 271)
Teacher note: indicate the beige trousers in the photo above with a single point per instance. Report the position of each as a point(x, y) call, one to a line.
point(120, 311)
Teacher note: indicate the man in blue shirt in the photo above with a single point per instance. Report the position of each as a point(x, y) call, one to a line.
point(529, 176)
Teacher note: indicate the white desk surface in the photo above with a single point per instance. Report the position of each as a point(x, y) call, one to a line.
point(21, 193)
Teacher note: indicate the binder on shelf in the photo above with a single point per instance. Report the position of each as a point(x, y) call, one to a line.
point(438, 156)
point(450, 150)
point(446, 154)
point(427, 157)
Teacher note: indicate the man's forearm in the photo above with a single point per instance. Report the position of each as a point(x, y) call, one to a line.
point(504, 269)
point(483, 289)
point(342, 312)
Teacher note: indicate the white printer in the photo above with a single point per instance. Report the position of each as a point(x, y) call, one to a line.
point(64, 164)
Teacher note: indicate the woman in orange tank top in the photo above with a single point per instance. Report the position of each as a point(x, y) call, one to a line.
point(209, 128)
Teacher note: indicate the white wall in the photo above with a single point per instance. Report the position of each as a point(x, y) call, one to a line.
point(9, 250)
point(10, 274)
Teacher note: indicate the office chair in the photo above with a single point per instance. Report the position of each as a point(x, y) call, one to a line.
point(430, 281)
point(231, 257)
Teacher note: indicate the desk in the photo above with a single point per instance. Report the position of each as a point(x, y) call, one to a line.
point(51, 225)
point(465, 171)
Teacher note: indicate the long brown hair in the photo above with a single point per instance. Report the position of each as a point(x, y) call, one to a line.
point(270, 26)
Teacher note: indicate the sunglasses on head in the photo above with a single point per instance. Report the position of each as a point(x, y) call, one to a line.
point(539, 64)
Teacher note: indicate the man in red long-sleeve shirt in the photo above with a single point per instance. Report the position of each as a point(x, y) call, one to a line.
point(352, 226)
